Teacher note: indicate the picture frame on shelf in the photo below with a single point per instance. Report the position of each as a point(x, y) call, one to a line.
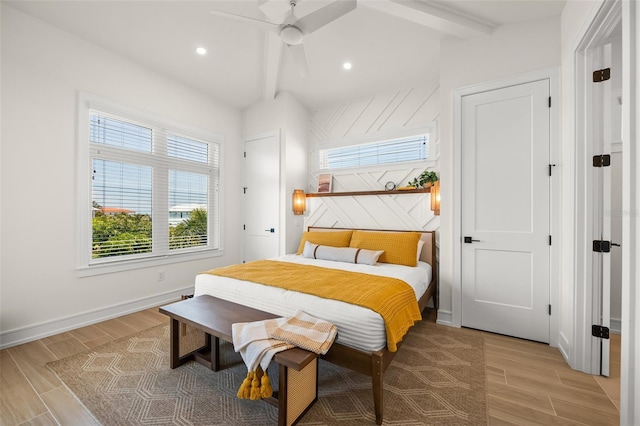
point(325, 181)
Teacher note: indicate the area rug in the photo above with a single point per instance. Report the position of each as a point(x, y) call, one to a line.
point(437, 378)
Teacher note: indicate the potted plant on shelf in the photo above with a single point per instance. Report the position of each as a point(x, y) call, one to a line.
point(425, 180)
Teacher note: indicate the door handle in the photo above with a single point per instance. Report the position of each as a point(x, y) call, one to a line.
point(272, 230)
point(469, 240)
point(615, 244)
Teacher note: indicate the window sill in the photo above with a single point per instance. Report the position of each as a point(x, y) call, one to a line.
point(110, 268)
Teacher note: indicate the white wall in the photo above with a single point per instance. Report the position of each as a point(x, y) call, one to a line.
point(510, 50)
point(43, 69)
point(286, 113)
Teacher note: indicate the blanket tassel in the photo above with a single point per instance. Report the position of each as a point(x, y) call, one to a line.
point(245, 387)
point(255, 385)
point(265, 390)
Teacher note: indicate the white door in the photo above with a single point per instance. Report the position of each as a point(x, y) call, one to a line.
point(506, 211)
point(262, 197)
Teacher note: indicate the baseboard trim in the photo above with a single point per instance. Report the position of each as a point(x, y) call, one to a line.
point(615, 325)
point(445, 318)
point(30, 333)
point(564, 347)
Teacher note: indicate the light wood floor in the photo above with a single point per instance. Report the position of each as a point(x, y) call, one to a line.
point(528, 383)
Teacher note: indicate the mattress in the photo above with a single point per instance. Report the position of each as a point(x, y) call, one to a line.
point(358, 327)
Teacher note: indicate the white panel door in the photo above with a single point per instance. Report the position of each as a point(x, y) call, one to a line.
point(506, 211)
point(262, 197)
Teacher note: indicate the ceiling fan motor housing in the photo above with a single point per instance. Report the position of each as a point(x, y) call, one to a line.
point(291, 35)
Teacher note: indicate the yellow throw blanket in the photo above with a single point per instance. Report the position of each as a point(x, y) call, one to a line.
point(392, 298)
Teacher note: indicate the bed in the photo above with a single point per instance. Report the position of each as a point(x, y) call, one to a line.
point(361, 344)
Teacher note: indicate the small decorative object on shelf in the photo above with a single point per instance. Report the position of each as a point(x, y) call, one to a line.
point(390, 186)
point(425, 180)
point(324, 182)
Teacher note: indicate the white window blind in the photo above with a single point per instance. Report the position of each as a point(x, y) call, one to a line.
point(153, 192)
point(414, 148)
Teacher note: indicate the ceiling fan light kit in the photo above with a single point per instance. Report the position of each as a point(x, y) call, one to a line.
point(291, 35)
point(293, 30)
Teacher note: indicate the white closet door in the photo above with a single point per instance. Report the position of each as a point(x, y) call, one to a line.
point(506, 211)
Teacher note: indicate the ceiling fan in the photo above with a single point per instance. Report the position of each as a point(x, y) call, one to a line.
point(293, 29)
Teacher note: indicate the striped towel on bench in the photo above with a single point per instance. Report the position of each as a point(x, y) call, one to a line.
point(259, 341)
point(307, 332)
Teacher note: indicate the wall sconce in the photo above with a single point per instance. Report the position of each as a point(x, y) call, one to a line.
point(299, 203)
point(435, 198)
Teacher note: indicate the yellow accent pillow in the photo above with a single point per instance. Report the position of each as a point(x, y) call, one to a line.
point(333, 239)
point(400, 248)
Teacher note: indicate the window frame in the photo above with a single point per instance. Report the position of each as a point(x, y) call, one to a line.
point(86, 265)
point(381, 136)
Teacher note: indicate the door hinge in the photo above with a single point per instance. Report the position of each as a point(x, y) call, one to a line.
point(549, 101)
point(549, 309)
point(551, 166)
point(601, 160)
point(601, 246)
point(600, 331)
point(244, 189)
point(245, 154)
point(244, 227)
point(601, 75)
point(549, 239)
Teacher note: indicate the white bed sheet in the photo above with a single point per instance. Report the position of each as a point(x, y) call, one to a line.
point(358, 327)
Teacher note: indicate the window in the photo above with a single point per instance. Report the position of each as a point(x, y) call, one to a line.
point(153, 190)
point(413, 148)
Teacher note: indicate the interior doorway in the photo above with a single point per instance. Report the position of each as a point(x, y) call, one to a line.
point(599, 159)
point(465, 289)
point(506, 210)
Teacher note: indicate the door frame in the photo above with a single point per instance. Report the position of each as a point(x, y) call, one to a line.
point(553, 75)
point(588, 303)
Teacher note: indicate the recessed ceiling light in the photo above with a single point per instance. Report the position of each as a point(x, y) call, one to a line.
point(346, 65)
point(201, 50)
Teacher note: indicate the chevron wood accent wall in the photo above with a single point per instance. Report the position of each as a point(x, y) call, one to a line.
point(376, 116)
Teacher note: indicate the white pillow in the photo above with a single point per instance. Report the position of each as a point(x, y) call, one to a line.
point(341, 254)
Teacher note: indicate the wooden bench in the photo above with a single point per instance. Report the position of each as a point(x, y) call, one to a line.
point(298, 368)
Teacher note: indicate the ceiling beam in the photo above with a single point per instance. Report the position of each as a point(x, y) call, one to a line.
point(272, 62)
point(438, 17)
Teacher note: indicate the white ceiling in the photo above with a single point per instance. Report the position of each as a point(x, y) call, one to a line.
point(391, 43)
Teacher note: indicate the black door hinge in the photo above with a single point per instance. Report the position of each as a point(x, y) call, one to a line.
point(549, 239)
point(549, 309)
point(600, 331)
point(601, 246)
point(244, 189)
point(601, 160)
point(549, 101)
point(601, 75)
point(551, 166)
point(244, 227)
point(245, 154)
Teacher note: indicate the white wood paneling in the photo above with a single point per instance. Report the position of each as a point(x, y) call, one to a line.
point(375, 117)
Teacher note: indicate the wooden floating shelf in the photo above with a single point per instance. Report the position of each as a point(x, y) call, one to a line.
point(356, 193)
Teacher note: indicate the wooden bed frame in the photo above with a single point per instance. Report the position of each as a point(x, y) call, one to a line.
point(374, 364)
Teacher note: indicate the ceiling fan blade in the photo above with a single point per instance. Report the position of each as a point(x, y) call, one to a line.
point(247, 20)
point(322, 17)
point(300, 58)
